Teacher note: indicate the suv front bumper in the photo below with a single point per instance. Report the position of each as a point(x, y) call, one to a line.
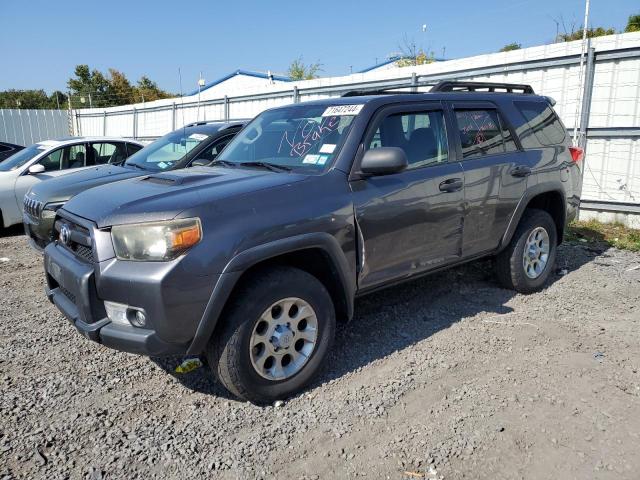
point(38, 232)
point(71, 286)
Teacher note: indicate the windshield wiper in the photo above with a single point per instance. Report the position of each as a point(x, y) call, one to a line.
point(269, 166)
point(134, 165)
point(224, 163)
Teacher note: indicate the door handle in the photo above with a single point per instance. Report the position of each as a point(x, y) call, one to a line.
point(451, 185)
point(521, 171)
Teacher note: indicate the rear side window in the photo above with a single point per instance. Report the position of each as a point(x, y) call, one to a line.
point(482, 133)
point(542, 122)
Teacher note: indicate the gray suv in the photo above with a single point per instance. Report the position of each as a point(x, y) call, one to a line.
point(252, 262)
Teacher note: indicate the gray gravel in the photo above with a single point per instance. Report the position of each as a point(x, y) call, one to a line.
point(446, 377)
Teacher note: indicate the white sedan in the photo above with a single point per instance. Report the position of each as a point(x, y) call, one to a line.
point(52, 158)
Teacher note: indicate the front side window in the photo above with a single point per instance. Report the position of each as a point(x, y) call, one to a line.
point(52, 161)
point(543, 122)
point(166, 151)
point(482, 133)
point(422, 136)
point(301, 137)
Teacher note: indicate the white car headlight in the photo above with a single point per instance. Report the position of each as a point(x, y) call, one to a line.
point(156, 241)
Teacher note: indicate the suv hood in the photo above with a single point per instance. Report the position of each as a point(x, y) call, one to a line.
point(61, 189)
point(163, 196)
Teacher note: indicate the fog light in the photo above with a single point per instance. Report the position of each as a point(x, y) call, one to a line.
point(137, 318)
point(125, 315)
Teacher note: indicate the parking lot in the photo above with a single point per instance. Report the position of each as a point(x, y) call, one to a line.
point(445, 377)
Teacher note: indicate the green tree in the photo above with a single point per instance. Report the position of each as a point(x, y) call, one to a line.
point(28, 99)
point(591, 33)
point(119, 90)
point(148, 90)
point(511, 46)
point(633, 25)
point(299, 71)
point(89, 88)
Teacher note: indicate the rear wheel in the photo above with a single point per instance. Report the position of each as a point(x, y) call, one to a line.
point(275, 336)
point(525, 265)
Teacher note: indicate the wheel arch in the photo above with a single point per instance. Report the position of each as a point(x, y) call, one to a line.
point(549, 197)
point(316, 253)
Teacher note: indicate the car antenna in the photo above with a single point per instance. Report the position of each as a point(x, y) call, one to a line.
point(184, 129)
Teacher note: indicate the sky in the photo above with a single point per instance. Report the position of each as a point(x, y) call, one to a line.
point(41, 41)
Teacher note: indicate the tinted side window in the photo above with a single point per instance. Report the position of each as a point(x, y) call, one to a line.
point(4, 148)
point(212, 151)
point(482, 133)
point(421, 135)
point(132, 148)
point(543, 122)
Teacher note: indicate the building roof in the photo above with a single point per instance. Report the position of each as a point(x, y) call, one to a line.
point(247, 73)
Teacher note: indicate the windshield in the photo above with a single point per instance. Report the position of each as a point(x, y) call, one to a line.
point(23, 156)
point(165, 152)
point(302, 137)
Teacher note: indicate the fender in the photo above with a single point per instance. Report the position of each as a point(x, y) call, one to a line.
point(533, 191)
point(252, 256)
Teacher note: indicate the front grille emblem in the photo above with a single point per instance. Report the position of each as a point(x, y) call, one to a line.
point(65, 234)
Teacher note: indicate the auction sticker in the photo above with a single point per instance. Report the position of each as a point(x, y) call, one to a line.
point(339, 110)
point(198, 136)
point(311, 158)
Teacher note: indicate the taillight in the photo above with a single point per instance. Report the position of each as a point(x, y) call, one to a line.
point(576, 153)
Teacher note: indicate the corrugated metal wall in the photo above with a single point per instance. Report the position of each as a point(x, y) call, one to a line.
point(26, 127)
point(613, 156)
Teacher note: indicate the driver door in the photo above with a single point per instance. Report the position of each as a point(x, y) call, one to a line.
point(59, 162)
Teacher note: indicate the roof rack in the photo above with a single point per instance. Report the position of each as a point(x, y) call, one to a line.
point(385, 91)
point(452, 86)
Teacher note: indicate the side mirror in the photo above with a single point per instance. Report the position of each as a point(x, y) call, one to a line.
point(384, 161)
point(200, 162)
point(36, 169)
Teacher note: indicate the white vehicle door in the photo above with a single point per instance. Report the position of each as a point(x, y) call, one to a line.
point(61, 161)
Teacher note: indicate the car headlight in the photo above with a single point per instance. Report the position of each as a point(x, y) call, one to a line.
point(156, 241)
point(50, 209)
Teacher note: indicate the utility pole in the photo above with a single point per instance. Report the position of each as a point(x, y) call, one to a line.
point(57, 100)
point(581, 74)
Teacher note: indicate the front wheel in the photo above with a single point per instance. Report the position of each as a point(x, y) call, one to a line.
point(275, 336)
point(525, 265)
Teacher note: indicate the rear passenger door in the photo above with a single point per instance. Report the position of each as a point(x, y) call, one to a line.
point(495, 173)
point(410, 221)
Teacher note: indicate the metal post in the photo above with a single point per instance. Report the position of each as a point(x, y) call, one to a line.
point(104, 124)
point(173, 116)
point(135, 123)
point(586, 97)
point(226, 108)
point(414, 82)
point(296, 95)
point(585, 26)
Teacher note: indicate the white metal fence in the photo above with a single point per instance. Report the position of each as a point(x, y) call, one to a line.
point(26, 127)
point(609, 122)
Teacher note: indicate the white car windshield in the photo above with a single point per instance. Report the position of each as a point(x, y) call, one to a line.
point(300, 137)
point(20, 158)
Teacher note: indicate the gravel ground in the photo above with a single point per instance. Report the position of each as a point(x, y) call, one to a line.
point(445, 377)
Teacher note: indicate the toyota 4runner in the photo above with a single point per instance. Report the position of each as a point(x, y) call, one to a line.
point(252, 261)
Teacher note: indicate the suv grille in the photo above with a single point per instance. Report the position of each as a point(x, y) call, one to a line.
point(33, 207)
point(77, 239)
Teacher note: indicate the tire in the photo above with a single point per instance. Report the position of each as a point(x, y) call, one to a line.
point(510, 263)
point(231, 356)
